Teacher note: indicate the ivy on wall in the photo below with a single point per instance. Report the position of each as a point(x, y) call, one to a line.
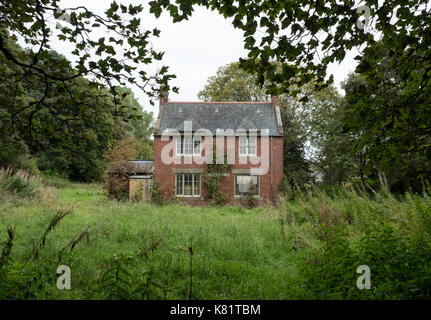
point(215, 174)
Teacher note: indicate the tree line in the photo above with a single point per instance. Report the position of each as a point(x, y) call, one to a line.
point(69, 131)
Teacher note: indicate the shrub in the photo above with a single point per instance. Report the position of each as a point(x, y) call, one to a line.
point(355, 227)
point(398, 259)
point(157, 196)
point(116, 175)
point(19, 183)
point(117, 282)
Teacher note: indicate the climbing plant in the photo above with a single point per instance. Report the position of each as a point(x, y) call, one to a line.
point(213, 178)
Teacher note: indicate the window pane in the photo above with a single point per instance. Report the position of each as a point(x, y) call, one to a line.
point(242, 145)
point(257, 183)
point(179, 144)
point(252, 145)
point(179, 187)
point(197, 146)
point(196, 184)
point(188, 145)
point(243, 184)
point(188, 184)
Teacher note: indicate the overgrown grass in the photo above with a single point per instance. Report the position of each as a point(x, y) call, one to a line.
point(19, 183)
point(390, 234)
point(138, 250)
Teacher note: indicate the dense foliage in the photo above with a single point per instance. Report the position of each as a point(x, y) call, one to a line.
point(305, 37)
point(355, 228)
point(64, 135)
point(117, 172)
point(388, 110)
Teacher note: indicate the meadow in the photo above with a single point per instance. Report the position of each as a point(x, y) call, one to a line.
point(307, 248)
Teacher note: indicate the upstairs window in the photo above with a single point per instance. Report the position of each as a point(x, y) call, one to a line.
point(188, 146)
point(247, 146)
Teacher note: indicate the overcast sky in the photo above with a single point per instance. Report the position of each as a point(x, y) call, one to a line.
point(194, 49)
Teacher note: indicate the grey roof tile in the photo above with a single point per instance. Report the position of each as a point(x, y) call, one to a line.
point(134, 167)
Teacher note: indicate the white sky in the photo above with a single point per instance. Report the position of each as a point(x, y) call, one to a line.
point(194, 49)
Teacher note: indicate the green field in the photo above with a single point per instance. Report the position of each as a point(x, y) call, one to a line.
point(138, 250)
point(238, 253)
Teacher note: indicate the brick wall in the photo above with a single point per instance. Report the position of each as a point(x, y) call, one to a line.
point(270, 181)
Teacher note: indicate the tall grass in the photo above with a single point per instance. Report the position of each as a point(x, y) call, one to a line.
point(356, 209)
point(19, 183)
point(19, 186)
point(308, 247)
point(390, 234)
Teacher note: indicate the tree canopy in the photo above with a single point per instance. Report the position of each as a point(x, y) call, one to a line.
point(305, 37)
point(66, 134)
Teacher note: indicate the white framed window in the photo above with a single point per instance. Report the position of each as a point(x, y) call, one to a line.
point(246, 184)
point(187, 185)
point(247, 146)
point(188, 146)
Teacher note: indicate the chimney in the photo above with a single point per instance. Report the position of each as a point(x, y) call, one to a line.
point(164, 95)
point(275, 101)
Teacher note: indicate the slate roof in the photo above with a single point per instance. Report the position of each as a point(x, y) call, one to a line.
point(220, 115)
point(135, 167)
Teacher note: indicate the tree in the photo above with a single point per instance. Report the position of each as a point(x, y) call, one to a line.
point(305, 37)
point(13, 150)
point(392, 122)
point(334, 154)
point(109, 62)
point(231, 83)
point(139, 123)
point(116, 175)
point(70, 135)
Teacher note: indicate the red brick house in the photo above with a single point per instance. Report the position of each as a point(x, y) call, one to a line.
point(247, 131)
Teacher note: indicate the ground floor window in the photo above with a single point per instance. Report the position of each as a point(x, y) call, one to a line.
point(246, 185)
point(188, 185)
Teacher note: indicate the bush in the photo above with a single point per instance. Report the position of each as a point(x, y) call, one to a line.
point(117, 282)
point(354, 228)
point(398, 260)
point(116, 175)
point(19, 183)
point(157, 196)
